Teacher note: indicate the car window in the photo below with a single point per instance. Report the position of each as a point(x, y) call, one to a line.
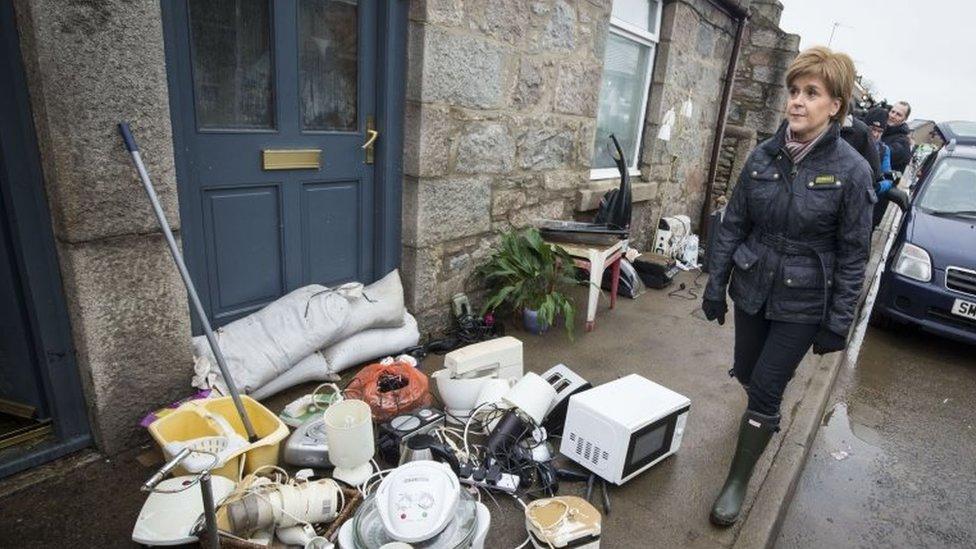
point(951, 188)
point(926, 164)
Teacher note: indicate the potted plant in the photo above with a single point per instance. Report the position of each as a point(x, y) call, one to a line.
point(528, 275)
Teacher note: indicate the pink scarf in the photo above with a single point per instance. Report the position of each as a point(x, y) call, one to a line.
point(799, 149)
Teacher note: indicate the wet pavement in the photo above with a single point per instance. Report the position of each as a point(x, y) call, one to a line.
point(893, 464)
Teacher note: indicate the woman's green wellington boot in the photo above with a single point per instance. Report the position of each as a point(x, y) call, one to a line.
point(754, 433)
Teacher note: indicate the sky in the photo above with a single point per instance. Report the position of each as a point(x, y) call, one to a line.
point(923, 52)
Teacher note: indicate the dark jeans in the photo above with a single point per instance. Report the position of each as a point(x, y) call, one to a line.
point(767, 353)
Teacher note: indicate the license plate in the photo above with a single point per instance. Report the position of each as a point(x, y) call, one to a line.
point(964, 308)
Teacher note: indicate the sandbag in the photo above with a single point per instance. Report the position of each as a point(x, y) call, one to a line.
point(372, 344)
point(381, 306)
point(266, 344)
point(357, 349)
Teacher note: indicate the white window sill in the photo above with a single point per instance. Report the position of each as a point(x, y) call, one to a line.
point(611, 173)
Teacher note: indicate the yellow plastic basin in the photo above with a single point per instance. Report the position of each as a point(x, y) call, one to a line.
point(189, 422)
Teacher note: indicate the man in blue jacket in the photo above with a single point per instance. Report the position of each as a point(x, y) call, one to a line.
point(877, 121)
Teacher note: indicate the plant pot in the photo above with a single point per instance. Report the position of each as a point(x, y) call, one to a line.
point(532, 323)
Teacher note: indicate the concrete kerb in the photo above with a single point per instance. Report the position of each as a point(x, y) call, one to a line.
point(764, 519)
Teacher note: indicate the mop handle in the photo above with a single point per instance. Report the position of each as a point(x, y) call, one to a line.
point(133, 148)
point(167, 467)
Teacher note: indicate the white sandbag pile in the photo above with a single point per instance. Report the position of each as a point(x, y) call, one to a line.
point(364, 346)
point(262, 349)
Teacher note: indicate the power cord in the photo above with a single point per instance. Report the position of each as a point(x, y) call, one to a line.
point(470, 329)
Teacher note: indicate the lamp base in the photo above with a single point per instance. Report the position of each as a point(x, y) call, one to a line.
point(353, 476)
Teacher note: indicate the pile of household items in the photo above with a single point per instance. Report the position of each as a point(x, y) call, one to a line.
point(377, 463)
point(243, 480)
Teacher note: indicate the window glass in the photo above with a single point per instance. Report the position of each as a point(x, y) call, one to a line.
point(328, 64)
point(622, 93)
point(952, 188)
point(231, 57)
point(962, 128)
point(640, 13)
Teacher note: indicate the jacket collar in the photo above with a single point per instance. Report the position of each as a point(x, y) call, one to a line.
point(778, 142)
point(894, 130)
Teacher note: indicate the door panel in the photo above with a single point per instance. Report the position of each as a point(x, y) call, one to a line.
point(256, 75)
point(245, 247)
point(332, 235)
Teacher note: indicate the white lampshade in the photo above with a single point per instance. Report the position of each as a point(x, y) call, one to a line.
point(532, 395)
point(349, 430)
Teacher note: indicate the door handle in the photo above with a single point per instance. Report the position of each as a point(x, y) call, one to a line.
point(371, 135)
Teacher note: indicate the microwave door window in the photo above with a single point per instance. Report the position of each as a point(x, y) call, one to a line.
point(649, 443)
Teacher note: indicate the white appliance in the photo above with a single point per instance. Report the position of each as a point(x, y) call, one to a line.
point(621, 428)
point(563, 521)
point(566, 383)
point(500, 357)
point(169, 517)
point(417, 500)
point(460, 396)
point(284, 506)
point(349, 539)
point(468, 370)
point(349, 430)
point(671, 235)
point(532, 395)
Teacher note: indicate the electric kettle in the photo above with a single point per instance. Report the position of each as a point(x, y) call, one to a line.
point(425, 447)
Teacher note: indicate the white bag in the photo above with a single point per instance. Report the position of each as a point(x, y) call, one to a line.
point(266, 344)
point(362, 347)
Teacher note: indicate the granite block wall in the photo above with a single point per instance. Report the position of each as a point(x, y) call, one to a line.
point(759, 93)
point(500, 118)
point(501, 113)
point(696, 44)
point(90, 65)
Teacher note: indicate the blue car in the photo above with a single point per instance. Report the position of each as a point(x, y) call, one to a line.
point(930, 275)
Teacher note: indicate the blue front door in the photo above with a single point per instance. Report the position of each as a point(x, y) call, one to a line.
point(273, 100)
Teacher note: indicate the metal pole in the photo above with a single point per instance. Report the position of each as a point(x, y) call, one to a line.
point(130, 144)
point(209, 512)
point(720, 129)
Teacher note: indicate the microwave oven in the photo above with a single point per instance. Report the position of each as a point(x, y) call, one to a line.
point(620, 429)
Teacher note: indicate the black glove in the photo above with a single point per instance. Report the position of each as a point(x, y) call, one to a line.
point(715, 310)
point(828, 342)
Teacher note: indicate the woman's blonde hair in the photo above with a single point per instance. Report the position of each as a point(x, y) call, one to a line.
point(836, 69)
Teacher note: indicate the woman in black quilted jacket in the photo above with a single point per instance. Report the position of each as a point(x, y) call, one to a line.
point(794, 241)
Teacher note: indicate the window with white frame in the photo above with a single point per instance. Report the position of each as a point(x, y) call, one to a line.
point(627, 67)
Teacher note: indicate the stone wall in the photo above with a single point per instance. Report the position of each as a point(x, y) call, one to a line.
point(500, 118)
point(90, 65)
point(759, 93)
point(693, 56)
point(501, 114)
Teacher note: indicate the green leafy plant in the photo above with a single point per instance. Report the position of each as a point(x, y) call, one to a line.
point(528, 273)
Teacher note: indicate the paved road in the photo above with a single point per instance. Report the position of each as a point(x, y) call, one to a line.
point(894, 463)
